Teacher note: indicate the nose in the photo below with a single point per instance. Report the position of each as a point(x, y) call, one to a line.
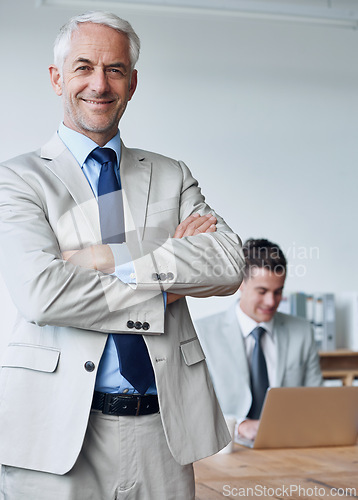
point(99, 81)
point(269, 300)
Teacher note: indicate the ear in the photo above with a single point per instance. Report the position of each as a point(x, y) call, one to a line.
point(133, 84)
point(242, 286)
point(56, 80)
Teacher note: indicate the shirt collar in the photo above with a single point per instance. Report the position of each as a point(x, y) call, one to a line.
point(81, 146)
point(247, 324)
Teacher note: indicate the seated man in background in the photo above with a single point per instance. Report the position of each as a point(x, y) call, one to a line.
point(251, 346)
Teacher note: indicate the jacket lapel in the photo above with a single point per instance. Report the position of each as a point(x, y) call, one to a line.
point(66, 168)
point(135, 178)
point(62, 164)
point(281, 339)
point(232, 331)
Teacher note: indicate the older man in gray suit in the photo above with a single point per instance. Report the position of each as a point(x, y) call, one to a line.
point(251, 346)
point(104, 391)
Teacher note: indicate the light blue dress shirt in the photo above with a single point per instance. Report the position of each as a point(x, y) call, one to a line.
point(109, 378)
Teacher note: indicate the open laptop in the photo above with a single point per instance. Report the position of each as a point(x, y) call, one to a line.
point(295, 417)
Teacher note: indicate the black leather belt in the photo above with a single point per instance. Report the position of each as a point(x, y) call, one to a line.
point(125, 404)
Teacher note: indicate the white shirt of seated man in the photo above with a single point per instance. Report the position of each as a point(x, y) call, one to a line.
point(261, 294)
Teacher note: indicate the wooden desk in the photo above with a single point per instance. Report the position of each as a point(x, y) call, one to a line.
point(314, 472)
point(340, 364)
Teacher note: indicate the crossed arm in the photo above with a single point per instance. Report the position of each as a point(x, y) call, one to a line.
point(35, 227)
point(100, 257)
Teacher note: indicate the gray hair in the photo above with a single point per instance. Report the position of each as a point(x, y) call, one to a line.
point(63, 40)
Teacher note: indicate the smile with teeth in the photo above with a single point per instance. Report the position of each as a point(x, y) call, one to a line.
point(97, 102)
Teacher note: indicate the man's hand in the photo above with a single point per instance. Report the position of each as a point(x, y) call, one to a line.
point(172, 297)
point(98, 257)
point(248, 428)
point(196, 224)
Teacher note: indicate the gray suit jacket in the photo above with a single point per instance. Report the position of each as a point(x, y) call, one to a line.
point(223, 345)
point(66, 312)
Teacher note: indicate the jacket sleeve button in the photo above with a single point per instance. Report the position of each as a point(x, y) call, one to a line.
point(170, 276)
point(162, 276)
point(155, 277)
point(89, 366)
point(130, 324)
point(138, 325)
point(145, 325)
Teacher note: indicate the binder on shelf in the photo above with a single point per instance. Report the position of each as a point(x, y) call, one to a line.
point(310, 308)
point(324, 323)
point(298, 304)
point(347, 320)
point(319, 310)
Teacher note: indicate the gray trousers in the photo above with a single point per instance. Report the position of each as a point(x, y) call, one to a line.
point(123, 458)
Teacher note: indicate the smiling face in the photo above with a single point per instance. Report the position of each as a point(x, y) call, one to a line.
point(261, 294)
point(97, 81)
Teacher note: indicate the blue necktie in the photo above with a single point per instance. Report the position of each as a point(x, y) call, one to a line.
point(259, 377)
point(110, 201)
point(134, 362)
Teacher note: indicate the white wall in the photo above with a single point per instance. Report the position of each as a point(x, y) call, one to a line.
point(263, 112)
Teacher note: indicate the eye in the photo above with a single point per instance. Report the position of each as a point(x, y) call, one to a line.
point(83, 68)
point(116, 72)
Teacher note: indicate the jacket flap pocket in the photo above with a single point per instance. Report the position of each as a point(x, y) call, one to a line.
point(33, 357)
point(162, 206)
point(192, 351)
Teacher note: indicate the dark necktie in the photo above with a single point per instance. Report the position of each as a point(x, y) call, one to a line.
point(134, 362)
point(109, 197)
point(259, 377)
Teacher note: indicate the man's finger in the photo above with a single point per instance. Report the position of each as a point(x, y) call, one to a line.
point(196, 224)
point(211, 229)
point(205, 224)
point(200, 225)
point(180, 230)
